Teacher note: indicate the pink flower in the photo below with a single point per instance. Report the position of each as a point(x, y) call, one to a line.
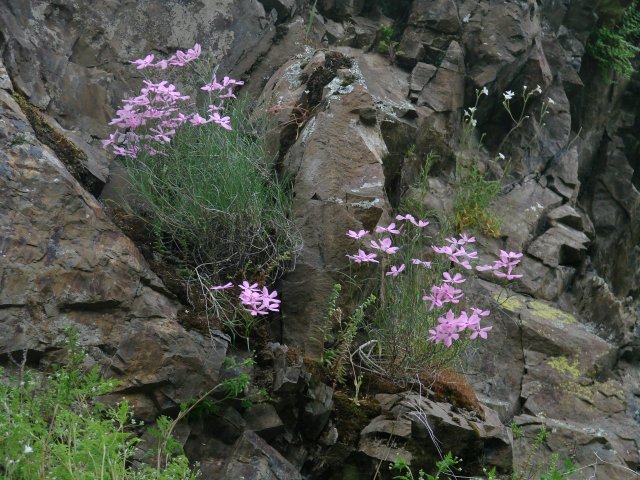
point(357, 235)
point(461, 252)
point(484, 268)
point(161, 64)
point(161, 135)
point(391, 229)
point(446, 332)
point(258, 301)
point(384, 245)
point(181, 58)
point(443, 250)
point(143, 62)
point(267, 303)
point(465, 239)
point(408, 217)
point(443, 294)
point(508, 261)
point(508, 275)
point(113, 139)
point(479, 331)
point(457, 278)
point(224, 122)
point(196, 119)
point(480, 312)
point(417, 261)
point(395, 271)
point(246, 286)
point(222, 287)
point(363, 256)
point(419, 223)
point(194, 52)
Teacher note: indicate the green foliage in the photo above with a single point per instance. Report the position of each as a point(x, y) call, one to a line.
point(477, 188)
point(553, 470)
point(386, 44)
point(474, 190)
point(212, 196)
point(614, 47)
point(443, 467)
point(556, 472)
point(516, 430)
point(52, 428)
point(533, 467)
point(19, 139)
point(338, 357)
point(311, 19)
point(402, 322)
point(474, 194)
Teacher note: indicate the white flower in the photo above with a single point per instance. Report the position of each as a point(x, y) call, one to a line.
point(474, 122)
point(466, 18)
point(472, 109)
point(28, 449)
point(485, 91)
point(550, 100)
point(524, 88)
point(501, 156)
point(538, 89)
point(508, 95)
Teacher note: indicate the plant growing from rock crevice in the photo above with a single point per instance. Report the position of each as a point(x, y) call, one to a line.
point(476, 187)
point(615, 45)
point(201, 179)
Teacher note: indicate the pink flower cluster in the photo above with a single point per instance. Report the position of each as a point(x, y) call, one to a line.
point(385, 245)
point(155, 114)
point(445, 293)
point(180, 59)
point(256, 300)
point(508, 261)
point(457, 251)
point(449, 327)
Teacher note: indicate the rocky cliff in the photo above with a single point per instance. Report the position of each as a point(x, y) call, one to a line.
point(565, 346)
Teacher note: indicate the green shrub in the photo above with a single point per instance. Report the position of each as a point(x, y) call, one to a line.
point(614, 47)
point(386, 45)
point(444, 467)
point(52, 428)
point(213, 196)
point(474, 194)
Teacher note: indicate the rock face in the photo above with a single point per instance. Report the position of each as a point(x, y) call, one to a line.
point(64, 264)
point(412, 422)
point(70, 58)
point(564, 348)
point(337, 162)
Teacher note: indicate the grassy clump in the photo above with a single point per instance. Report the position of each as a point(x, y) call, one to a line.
point(615, 45)
point(52, 428)
point(474, 194)
point(399, 346)
point(212, 196)
point(402, 323)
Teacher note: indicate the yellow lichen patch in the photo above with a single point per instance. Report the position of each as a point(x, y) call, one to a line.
point(543, 310)
point(513, 304)
point(581, 391)
point(610, 388)
point(562, 365)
